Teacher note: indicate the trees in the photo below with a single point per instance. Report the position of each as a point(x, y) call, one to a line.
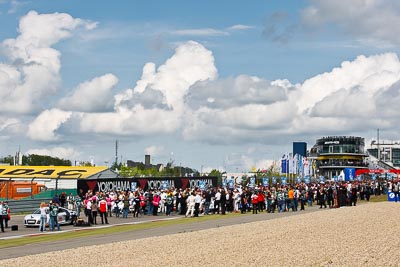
point(218, 174)
point(38, 160)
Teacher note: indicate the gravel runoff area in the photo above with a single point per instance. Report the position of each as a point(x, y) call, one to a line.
point(366, 235)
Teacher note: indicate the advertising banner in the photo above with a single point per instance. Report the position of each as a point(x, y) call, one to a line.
point(202, 185)
point(283, 180)
point(349, 174)
point(391, 197)
point(49, 172)
point(265, 181)
point(274, 180)
point(164, 185)
point(133, 186)
point(126, 184)
point(307, 179)
point(252, 182)
point(231, 183)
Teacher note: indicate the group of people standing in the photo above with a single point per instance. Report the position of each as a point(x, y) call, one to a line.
point(51, 209)
point(193, 202)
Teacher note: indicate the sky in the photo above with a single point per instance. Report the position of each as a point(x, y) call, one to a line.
point(207, 84)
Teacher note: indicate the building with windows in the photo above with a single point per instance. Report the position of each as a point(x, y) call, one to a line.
point(387, 152)
point(333, 154)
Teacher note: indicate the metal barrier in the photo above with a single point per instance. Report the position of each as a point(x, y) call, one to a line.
point(19, 206)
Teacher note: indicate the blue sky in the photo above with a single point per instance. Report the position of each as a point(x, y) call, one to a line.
point(218, 84)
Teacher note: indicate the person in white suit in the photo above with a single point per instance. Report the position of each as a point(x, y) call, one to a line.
point(191, 201)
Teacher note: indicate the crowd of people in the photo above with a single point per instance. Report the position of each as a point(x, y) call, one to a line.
point(192, 202)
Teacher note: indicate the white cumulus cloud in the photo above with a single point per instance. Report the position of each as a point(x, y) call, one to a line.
point(170, 82)
point(59, 152)
point(362, 19)
point(44, 127)
point(32, 71)
point(154, 150)
point(369, 74)
point(91, 96)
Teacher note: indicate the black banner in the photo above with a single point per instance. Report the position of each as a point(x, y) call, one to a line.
point(130, 184)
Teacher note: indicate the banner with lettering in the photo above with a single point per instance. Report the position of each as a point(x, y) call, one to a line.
point(49, 172)
point(129, 184)
point(252, 182)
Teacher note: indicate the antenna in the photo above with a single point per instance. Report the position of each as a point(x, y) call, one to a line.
point(116, 152)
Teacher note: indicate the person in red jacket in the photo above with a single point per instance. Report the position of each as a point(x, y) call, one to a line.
point(103, 210)
point(254, 202)
point(261, 200)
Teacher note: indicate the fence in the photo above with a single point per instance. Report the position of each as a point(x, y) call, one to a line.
point(19, 206)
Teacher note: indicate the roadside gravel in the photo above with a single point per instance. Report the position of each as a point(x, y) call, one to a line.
point(366, 235)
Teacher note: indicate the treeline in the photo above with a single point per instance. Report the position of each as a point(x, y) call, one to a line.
point(168, 171)
point(37, 160)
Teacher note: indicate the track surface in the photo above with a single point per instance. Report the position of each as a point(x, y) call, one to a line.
point(192, 225)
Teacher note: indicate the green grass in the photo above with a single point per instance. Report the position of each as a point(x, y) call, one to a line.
point(381, 198)
point(87, 232)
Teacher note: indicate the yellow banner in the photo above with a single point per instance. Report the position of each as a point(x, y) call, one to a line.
point(71, 172)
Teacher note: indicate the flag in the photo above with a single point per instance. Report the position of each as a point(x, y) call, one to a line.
point(306, 166)
point(341, 176)
point(284, 164)
point(300, 165)
point(290, 160)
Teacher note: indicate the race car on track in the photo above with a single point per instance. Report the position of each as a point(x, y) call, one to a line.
point(65, 216)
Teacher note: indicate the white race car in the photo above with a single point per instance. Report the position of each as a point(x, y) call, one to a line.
point(65, 216)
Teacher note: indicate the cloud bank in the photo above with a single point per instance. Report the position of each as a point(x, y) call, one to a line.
point(184, 97)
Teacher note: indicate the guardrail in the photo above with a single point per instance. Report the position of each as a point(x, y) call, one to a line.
point(18, 206)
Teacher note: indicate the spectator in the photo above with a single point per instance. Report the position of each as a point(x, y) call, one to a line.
point(63, 199)
point(70, 201)
point(53, 209)
point(3, 214)
point(43, 216)
point(103, 210)
point(156, 203)
point(191, 200)
point(94, 209)
point(254, 202)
